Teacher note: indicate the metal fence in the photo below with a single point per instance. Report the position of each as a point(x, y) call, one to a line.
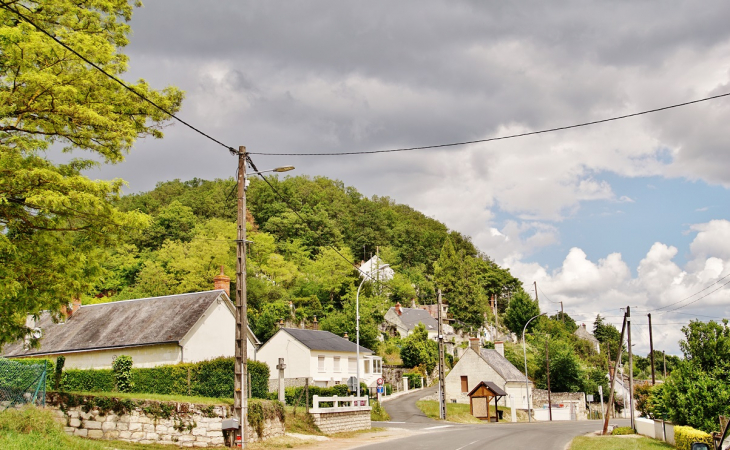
point(21, 383)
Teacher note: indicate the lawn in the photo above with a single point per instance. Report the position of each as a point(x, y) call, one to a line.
point(457, 412)
point(617, 443)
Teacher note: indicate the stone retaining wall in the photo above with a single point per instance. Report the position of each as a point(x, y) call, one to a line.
point(289, 382)
point(540, 398)
point(148, 422)
point(337, 422)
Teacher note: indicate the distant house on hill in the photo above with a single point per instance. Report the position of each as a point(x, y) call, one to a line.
point(480, 364)
point(403, 321)
point(323, 358)
point(376, 269)
point(153, 331)
point(584, 334)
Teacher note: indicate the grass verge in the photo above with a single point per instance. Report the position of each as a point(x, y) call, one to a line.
point(617, 443)
point(299, 422)
point(456, 412)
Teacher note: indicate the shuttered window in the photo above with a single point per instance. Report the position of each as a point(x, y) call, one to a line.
point(464, 384)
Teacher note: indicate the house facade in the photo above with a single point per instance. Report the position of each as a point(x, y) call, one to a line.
point(323, 358)
point(481, 364)
point(154, 331)
point(583, 333)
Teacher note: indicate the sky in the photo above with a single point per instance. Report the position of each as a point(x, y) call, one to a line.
point(627, 213)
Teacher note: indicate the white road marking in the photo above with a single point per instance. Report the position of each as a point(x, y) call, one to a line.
point(467, 445)
point(394, 422)
point(437, 427)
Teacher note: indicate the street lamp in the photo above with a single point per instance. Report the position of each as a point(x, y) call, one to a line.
point(357, 324)
point(240, 402)
point(524, 350)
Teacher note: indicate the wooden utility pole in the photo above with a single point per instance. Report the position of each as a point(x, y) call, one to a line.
point(613, 378)
point(442, 371)
point(631, 366)
point(535, 283)
point(562, 312)
point(664, 357)
point(240, 402)
point(651, 352)
point(547, 367)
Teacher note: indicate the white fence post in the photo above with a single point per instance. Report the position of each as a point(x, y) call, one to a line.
point(315, 403)
point(405, 384)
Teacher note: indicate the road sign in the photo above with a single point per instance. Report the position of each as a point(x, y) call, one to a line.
point(381, 389)
point(352, 384)
point(380, 381)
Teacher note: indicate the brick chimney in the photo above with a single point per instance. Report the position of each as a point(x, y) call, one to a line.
point(345, 336)
point(397, 309)
point(315, 324)
point(474, 344)
point(221, 281)
point(499, 346)
point(67, 311)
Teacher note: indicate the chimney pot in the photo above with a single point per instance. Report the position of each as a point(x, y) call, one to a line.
point(397, 309)
point(75, 305)
point(345, 336)
point(315, 323)
point(221, 281)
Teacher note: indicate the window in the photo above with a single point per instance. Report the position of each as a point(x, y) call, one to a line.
point(320, 363)
point(378, 365)
point(336, 361)
point(367, 366)
point(352, 365)
point(464, 384)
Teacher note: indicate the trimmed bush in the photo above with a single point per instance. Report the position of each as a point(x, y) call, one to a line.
point(122, 368)
point(621, 431)
point(685, 436)
point(295, 395)
point(213, 378)
point(50, 368)
point(414, 380)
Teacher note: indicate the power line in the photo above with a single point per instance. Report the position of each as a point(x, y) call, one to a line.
point(112, 77)
point(690, 296)
point(512, 136)
point(700, 298)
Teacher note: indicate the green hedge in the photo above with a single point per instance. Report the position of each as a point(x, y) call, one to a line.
point(414, 380)
point(213, 378)
point(50, 368)
point(292, 394)
point(685, 436)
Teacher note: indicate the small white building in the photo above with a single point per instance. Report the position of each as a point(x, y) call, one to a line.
point(153, 331)
point(481, 364)
point(376, 269)
point(583, 333)
point(320, 356)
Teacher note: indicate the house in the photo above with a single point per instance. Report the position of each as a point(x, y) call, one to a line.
point(584, 334)
point(403, 321)
point(480, 364)
point(323, 358)
point(154, 331)
point(376, 269)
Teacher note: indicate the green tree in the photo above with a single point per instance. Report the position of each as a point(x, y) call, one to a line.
point(706, 344)
point(419, 350)
point(566, 374)
point(607, 335)
point(53, 219)
point(521, 309)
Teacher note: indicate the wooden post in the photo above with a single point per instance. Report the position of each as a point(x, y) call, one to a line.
point(547, 367)
point(631, 366)
point(240, 401)
point(651, 352)
point(306, 395)
point(442, 371)
point(613, 378)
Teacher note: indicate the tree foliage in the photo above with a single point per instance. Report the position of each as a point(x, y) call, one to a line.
point(706, 344)
point(521, 309)
point(53, 219)
point(419, 351)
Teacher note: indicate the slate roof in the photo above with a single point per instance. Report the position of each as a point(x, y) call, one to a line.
point(324, 340)
point(127, 323)
point(496, 390)
point(501, 365)
point(413, 316)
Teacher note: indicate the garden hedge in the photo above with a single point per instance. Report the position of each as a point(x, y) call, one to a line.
point(685, 436)
point(213, 378)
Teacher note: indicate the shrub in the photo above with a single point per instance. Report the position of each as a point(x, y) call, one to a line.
point(414, 380)
point(100, 380)
point(296, 395)
point(58, 373)
point(50, 368)
point(685, 436)
point(261, 410)
point(122, 367)
point(378, 413)
point(620, 431)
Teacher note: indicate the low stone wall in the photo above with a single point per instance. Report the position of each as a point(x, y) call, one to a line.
point(540, 398)
point(147, 422)
point(393, 375)
point(337, 422)
point(288, 382)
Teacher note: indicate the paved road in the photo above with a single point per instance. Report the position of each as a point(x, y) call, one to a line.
point(438, 435)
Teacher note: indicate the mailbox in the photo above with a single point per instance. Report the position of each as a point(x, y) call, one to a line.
point(230, 424)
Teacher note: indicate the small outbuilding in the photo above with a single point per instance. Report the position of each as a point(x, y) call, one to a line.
point(481, 396)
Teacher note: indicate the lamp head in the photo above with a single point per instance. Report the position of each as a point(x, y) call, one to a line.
point(284, 169)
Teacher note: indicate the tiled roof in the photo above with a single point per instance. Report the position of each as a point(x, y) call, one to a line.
point(127, 323)
point(324, 340)
point(411, 317)
point(499, 363)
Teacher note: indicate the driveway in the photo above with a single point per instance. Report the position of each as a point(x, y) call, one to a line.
point(403, 409)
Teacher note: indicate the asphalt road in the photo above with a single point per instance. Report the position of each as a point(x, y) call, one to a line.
point(433, 434)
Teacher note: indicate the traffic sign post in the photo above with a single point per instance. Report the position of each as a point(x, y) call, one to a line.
point(352, 385)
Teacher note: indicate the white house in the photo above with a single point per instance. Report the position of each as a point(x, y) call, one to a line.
point(376, 269)
point(320, 356)
point(153, 331)
point(405, 320)
point(481, 364)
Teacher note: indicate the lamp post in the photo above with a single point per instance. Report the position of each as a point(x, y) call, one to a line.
point(357, 326)
point(527, 383)
point(240, 402)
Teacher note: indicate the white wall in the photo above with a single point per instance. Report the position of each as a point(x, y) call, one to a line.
point(475, 369)
point(214, 335)
point(147, 356)
point(296, 356)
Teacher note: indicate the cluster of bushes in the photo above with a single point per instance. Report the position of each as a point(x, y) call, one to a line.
point(297, 396)
point(685, 436)
point(414, 380)
point(213, 378)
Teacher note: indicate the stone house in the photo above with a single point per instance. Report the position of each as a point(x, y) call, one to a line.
point(584, 334)
point(154, 331)
point(480, 364)
point(323, 358)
